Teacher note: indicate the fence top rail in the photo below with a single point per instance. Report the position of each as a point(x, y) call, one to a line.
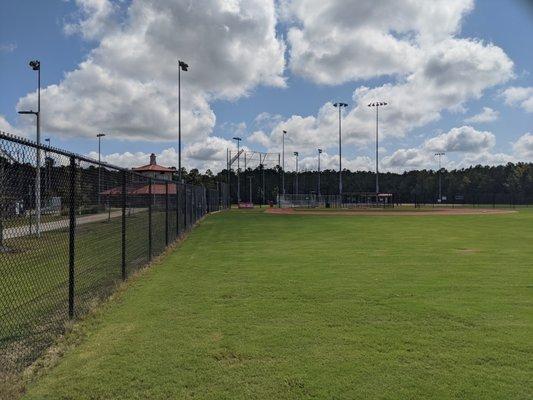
point(30, 143)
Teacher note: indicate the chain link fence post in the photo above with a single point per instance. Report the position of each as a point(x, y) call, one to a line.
point(72, 236)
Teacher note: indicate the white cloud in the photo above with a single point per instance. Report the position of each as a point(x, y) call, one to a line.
point(7, 47)
point(6, 127)
point(485, 158)
point(261, 138)
point(521, 96)
point(523, 147)
point(127, 85)
point(337, 41)
point(463, 139)
point(407, 159)
point(487, 115)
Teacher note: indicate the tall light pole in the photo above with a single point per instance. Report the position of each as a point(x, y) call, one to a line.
point(283, 163)
point(318, 184)
point(99, 136)
point(182, 66)
point(439, 155)
point(238, 139)
point(377, 105)
point(340, 106)
point(36, 66)
point(296, 155)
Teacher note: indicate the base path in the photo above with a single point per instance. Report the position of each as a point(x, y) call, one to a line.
point(390, 212)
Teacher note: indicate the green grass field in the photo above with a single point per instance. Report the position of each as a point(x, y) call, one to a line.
point(264, 306)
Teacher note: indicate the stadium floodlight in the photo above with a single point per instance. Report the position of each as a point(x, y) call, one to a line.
point(99, 136)
point(340, 106)
point(283, 162)
point(318, 183)
point(439, 155)
point(377, 104)
point(238, 139)
point(182, 66)
point(36, 66)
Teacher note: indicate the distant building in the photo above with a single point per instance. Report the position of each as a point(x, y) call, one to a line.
point(153, 170)
point(139, 188)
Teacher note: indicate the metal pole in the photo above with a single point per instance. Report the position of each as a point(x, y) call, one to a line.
point(99, 169)
point(123, 233)
point(377, 147)
point(166, 213)
point(340, 154)
point(238, 172)
point(318, 185)
point(179, 123)
point(283, 163)
point(38, 177)
point(149, 218)
point(296, 173)
point(72, 231)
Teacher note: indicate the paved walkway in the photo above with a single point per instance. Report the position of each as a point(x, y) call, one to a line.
point(24, 230)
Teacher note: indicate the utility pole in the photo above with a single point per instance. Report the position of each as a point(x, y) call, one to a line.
point(283, 163)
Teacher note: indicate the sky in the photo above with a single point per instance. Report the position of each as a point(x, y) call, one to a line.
point(456, 76)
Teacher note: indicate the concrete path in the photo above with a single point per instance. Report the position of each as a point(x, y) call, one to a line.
point(24, 230)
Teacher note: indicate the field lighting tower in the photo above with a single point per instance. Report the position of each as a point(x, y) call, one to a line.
point(238, 140)
point(377, 104)
point(99, 136)
point(283, 162)
point(182, 66)
point(36, 66)
point(296, 155)
point(439, 155)
point(340, 106)
point(318, 183)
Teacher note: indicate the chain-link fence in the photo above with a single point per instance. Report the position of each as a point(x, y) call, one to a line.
point(71, 229)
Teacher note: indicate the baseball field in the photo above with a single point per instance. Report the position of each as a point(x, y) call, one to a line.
point(256, 305)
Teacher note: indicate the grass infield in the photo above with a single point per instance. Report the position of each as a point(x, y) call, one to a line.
point(257, 305)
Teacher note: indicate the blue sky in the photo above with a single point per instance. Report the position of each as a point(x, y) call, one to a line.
point(281, 81)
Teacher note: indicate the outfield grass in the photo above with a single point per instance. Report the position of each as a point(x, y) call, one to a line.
point(265, 306)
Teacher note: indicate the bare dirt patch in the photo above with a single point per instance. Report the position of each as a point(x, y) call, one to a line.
point(391, 212)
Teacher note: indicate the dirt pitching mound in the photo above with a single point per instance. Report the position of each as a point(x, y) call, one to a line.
point(390, 212)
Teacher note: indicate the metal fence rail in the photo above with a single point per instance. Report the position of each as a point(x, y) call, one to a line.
point(67, 242)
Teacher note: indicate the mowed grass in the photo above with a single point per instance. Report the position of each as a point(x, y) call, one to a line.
point(318, 307)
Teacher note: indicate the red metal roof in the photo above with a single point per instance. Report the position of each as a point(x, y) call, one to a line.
point(153, 168)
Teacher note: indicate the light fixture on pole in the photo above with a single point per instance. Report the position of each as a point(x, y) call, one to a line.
point(182, 66)
point(296, 155)
point(99, 136)
point(36, 66)
point(439, 155)
point(340, 106)
point(283, 163)
point(377, 105)
point(318, 184)
point(238, 139)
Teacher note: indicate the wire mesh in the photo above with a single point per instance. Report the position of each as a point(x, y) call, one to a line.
point(70, 230)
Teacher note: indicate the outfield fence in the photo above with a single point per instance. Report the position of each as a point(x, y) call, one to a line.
point(72, 229)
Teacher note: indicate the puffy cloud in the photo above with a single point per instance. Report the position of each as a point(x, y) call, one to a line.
point(485, 158)
point(260, 138)
point(523, 147)
point(6, 127)
point(337, 41)
point(463, 139)
point(522, 96)
point(487, 115)
point(127, 84)
point(407, 159)
point(93, 20)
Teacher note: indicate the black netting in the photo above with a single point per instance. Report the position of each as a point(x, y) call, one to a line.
point(70, 230)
